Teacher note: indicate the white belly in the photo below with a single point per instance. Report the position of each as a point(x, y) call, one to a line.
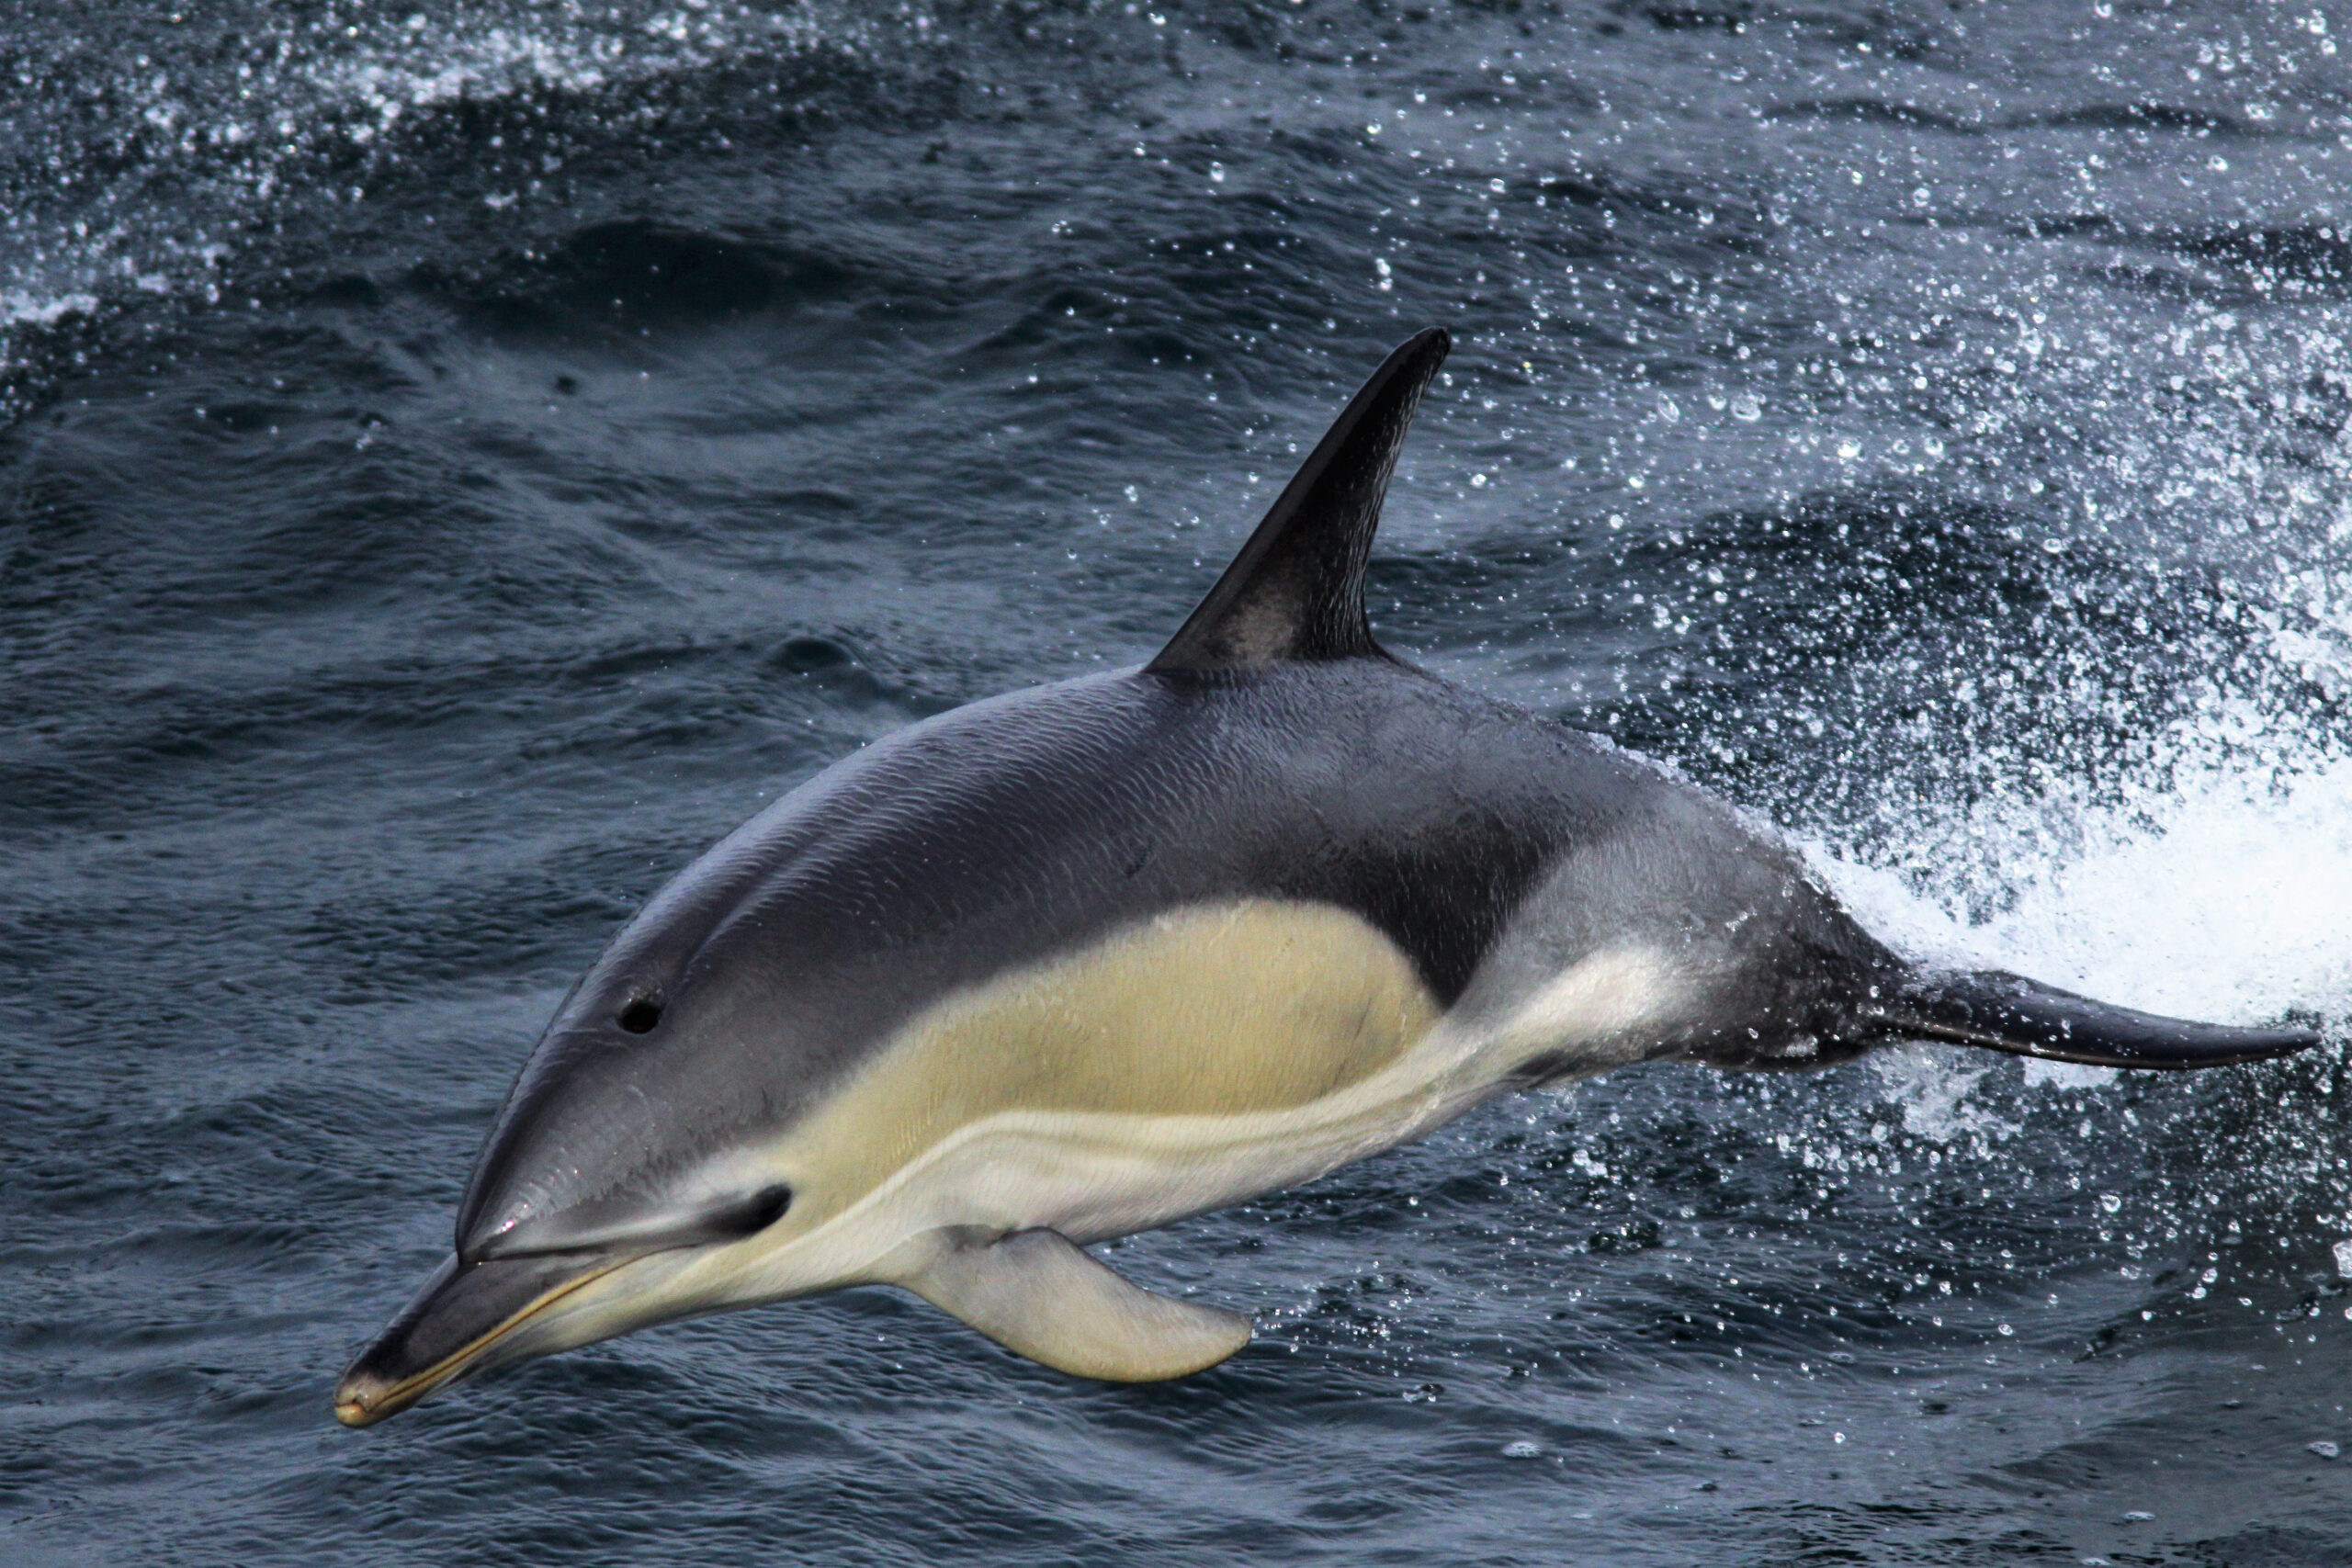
point(1094, 1174)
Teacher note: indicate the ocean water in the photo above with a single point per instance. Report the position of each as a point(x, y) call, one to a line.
point(460, 459)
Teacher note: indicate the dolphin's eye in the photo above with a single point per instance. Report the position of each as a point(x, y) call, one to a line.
point(639, 1016)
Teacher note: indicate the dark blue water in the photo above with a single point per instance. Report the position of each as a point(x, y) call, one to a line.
point(462, 460)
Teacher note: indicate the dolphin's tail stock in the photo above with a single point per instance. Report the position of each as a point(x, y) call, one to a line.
point(2009, 1012)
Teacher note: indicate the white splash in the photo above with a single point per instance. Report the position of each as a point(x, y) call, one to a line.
point(17, 309)
point(2228, 900)
point(1932, 1085)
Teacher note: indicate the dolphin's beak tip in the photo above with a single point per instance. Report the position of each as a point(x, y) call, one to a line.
point(462, 1317)
point(359, 1401)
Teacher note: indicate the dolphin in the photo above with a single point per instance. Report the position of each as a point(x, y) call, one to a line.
point(1079, 961)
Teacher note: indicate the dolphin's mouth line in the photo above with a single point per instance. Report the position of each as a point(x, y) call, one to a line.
point(356, 1410)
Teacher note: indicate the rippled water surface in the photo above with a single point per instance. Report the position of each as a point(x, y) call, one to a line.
point(460, 459)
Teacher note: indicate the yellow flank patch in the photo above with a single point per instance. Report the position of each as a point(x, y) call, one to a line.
point(1219, 1010)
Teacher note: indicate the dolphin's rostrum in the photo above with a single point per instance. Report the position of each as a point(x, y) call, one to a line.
point(1079, 961)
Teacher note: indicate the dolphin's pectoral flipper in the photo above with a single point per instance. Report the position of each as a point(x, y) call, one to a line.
point(1039, 1294)
point(2009, 1012)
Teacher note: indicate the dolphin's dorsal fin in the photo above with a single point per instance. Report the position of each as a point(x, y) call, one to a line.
point(1039, 1294)
point(1296, 589)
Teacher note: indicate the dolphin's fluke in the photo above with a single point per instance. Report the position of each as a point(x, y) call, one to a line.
point(2009, 1012)
point(1039, 1294)
point(1296, 589)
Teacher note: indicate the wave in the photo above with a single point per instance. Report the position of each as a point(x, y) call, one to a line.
point(2141, 116)
point(190, 163)
point(2313, 259)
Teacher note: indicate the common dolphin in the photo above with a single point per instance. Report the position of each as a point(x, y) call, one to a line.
point(1079, 961)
